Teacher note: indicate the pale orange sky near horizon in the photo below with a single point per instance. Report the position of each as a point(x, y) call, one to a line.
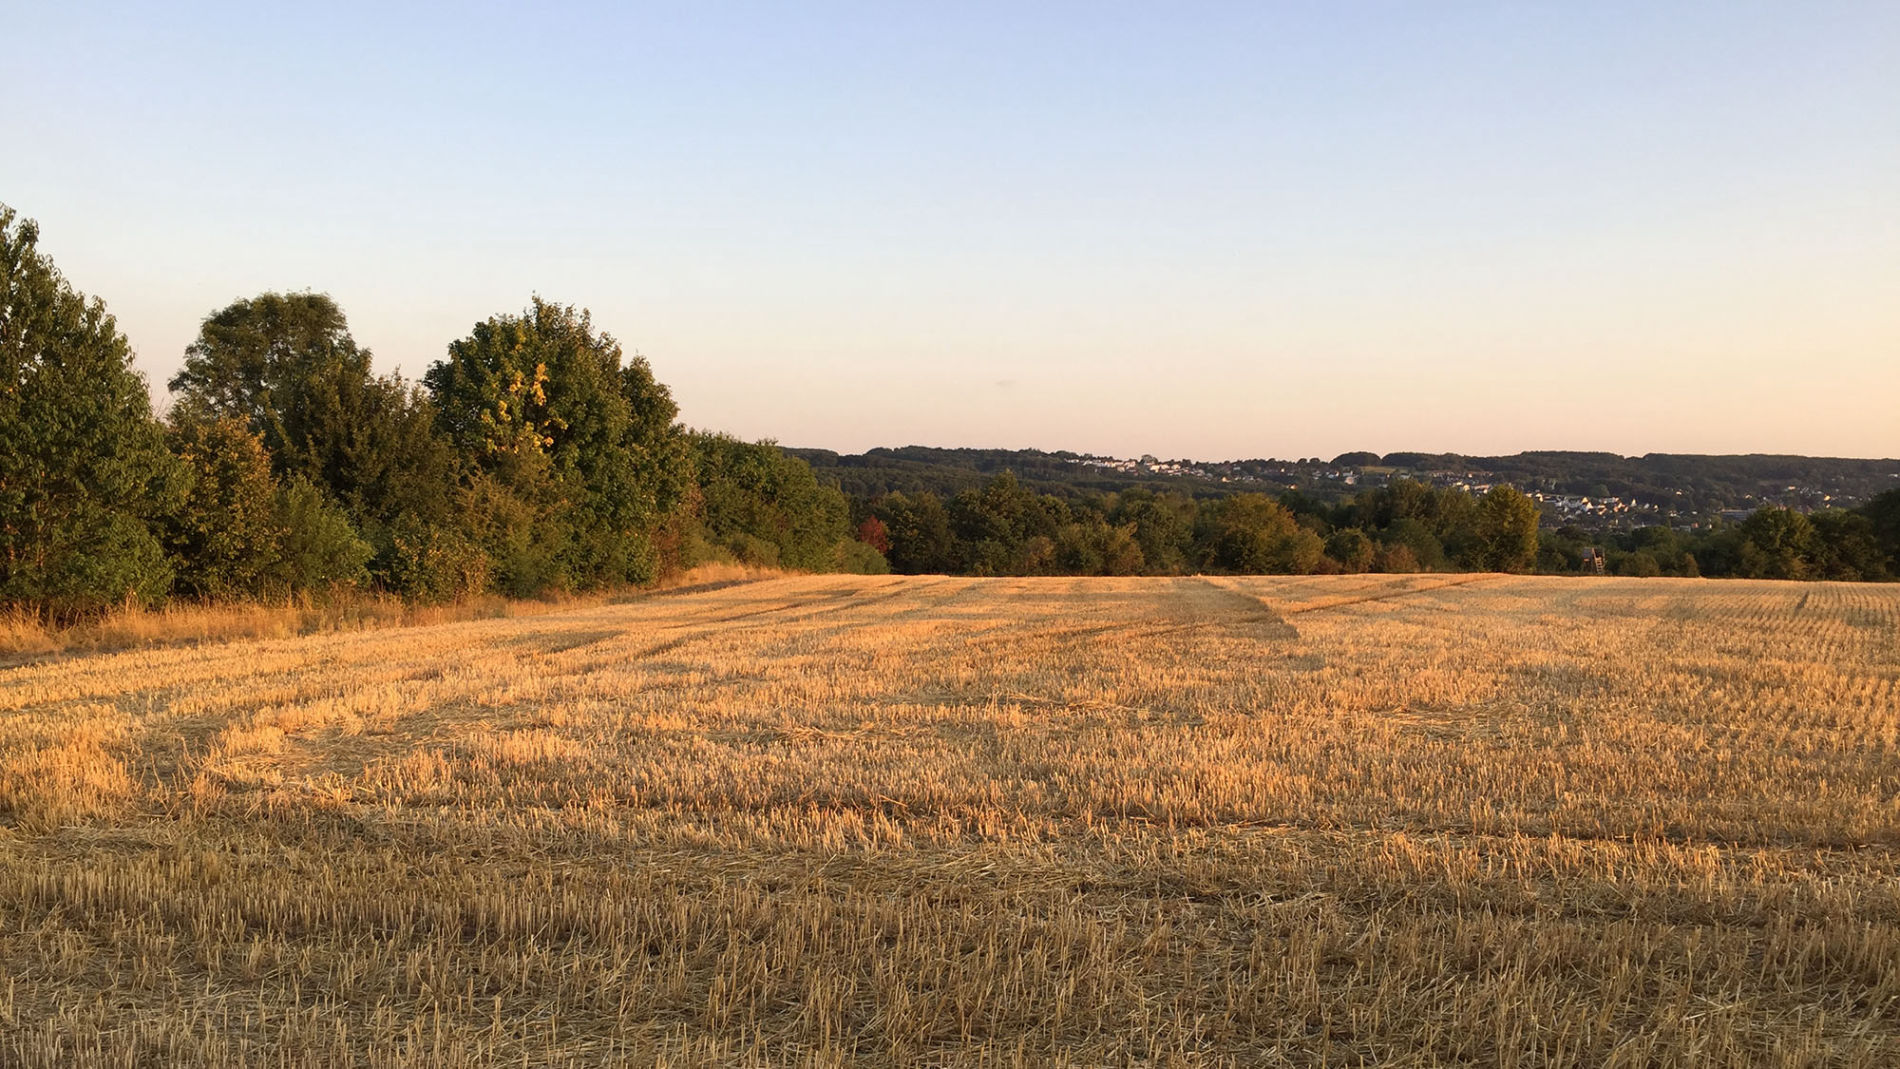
point(1217, 232)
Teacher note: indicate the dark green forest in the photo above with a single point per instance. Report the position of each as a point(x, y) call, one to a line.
point(537, 457)
point(1678, 486)
point(1004, 528)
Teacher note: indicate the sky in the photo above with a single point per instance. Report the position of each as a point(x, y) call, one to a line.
point(1194, 230)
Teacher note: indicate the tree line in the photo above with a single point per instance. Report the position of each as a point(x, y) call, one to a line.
point(536, 456)
point(1003, 528)
point(1685, 487)
point(1851, 545)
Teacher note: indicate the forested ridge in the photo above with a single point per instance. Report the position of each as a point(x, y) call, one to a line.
point(1002, 527)
point(537, 457)
point(1682, 485)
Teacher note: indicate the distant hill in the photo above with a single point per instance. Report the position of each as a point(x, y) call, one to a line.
point(1682, 483)
point(916, 468)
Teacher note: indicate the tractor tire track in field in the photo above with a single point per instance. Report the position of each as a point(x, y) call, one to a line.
point(1326, 605)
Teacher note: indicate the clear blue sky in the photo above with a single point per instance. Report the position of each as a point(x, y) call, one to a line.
point(1213, 230)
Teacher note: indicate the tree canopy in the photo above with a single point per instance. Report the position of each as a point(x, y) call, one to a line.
point(577, 443)
point(85, 478)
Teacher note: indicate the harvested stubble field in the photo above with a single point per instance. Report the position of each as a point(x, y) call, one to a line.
point(1417, 820)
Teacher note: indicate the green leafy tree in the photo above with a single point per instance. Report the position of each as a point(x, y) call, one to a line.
point(763, 505)
point(660, 451)
point(1351, 549)
point(85, 478)
point(918, 526)
point(859, 558)
point(225, 537)
point(1400, 499)
point(1005, 528)
point(1423, 550)
point(583, 439)
point(1253, 534)
point(1163, 528)
point(1458, 523)
point(1845, 547)
point(1642, 563)
point(1078, 547)
point(1121, 550)
point(432, 562)
point(1436, 525)
point(286, 365)
point(1883, 513)
point(242, 533)
point(1775, 544)
point(1505, 532)
point(1395, 558)
point(317, 549)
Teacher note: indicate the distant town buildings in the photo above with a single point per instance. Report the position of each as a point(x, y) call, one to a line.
point(1591, 511)
point(1560, 507)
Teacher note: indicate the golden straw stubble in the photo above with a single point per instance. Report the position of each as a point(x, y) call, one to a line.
point(1404, 820)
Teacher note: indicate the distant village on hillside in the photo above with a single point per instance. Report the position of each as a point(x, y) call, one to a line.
point(1592, 511)
point(1592, 491)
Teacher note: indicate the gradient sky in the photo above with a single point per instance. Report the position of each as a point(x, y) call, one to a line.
point(1205, 230)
